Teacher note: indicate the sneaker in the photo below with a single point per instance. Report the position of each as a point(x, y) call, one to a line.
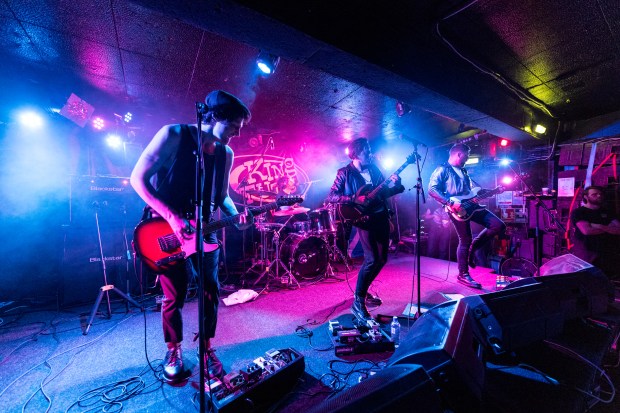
point(173, 365)
point(373, 300)
point(360, 311)
point(214, 365)
point(466, 279)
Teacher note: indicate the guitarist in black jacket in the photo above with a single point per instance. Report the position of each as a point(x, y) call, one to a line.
point(449, 180)
point(350, 189)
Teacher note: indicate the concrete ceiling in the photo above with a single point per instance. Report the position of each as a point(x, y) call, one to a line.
point(462, 67)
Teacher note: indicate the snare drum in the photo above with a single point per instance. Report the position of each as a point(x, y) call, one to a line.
point(301, 227)
point(307, 256)
point(322, 221)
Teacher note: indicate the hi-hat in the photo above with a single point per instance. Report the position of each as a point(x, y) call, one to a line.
point(290, 211)
point(260, 193)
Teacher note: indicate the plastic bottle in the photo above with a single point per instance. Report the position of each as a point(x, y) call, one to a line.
point(395, 331)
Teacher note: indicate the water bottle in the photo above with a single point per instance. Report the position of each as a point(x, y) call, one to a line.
point(395, 331)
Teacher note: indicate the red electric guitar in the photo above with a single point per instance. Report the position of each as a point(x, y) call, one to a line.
point(160, 249)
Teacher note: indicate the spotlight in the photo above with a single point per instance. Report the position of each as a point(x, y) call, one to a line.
point(114, 141)
point(504, 142)
point(127, 117)
point(505, 162)
point(540, 129)
point(31, 119)
point(267, 62)
point(98, 123)
point(346, 151)
point(507, 180)
point(387, 163)
point(472, 161)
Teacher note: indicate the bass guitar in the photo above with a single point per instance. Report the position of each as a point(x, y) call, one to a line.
point(470, 202)
point(359, 213)
point(157, 245)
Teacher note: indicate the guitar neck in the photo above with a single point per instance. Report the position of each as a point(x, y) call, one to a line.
point(214, 226)
point(385, 183)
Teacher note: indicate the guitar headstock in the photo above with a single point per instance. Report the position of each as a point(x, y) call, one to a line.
point(412, 158)
point(289, 200)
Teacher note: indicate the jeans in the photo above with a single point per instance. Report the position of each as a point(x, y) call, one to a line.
point(493, 226)
point(174, 286)
point(375, 243)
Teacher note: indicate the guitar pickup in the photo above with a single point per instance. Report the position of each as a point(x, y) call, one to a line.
point(171, 258)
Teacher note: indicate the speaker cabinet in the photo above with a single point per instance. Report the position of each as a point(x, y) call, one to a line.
point(400, 388)
point(82, 270)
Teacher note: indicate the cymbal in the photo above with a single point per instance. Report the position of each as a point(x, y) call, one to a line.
point(260, 193)
point(290, 211)
point(268, 226)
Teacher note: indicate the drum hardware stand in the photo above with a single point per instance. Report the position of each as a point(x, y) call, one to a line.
point(278, 263)
point(539, 203)
point(106, 288)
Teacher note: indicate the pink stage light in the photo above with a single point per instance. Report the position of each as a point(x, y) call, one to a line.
point(98, 123)
point(507, 180)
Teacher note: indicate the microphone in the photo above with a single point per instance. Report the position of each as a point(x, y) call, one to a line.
point(271, 144)
point(414, 141)
point(201, 108)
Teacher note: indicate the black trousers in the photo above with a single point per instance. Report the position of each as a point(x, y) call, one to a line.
point(174, 286)
point(492, 226)
point(375, 243)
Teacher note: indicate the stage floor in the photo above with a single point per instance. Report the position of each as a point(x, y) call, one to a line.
point(47, 361)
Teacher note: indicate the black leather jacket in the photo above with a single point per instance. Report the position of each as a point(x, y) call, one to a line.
point(348, 181)
point(445, 183)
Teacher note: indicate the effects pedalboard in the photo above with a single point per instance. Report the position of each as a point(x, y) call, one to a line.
point(259, 384)
point(360, 338)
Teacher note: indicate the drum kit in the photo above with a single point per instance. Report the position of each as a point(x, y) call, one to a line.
point(304, 249)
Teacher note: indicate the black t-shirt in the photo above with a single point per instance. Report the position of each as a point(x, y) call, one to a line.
point(593, 216)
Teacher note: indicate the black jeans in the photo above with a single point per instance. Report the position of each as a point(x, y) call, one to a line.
point(375, 242)
point(492, 226)
point(174, 286)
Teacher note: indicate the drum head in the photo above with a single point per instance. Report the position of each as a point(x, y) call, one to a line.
point(307, 256)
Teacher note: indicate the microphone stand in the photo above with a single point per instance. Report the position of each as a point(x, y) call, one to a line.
point(200, 110)
point(418, 231)
point(538, 203)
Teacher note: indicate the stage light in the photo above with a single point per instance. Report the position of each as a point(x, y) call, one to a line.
point(387, 163)
point(507, 180)
point(267, 62)
point(98, 123)
point(346, 151)
point(114, 141)
point(504, 142)
point(540, 129)
point(505, 162)
point(127, 117)
point(31, 119)
point(472, 161)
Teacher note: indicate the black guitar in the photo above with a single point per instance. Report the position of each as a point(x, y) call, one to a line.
point(359, 213)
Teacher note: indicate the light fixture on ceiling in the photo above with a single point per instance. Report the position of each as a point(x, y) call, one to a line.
point(540, 129)
point(267, 62)
point(402, 108)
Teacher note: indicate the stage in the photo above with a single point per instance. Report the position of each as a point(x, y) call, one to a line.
point(47, 362)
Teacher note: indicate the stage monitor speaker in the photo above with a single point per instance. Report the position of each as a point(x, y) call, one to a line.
point(401, 388)
point(456, 340)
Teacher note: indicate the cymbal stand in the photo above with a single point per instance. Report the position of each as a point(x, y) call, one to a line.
point(106, 288)
point(277, 262)
point(264, 259)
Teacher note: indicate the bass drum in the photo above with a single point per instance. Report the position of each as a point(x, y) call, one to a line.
point(307, 256)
